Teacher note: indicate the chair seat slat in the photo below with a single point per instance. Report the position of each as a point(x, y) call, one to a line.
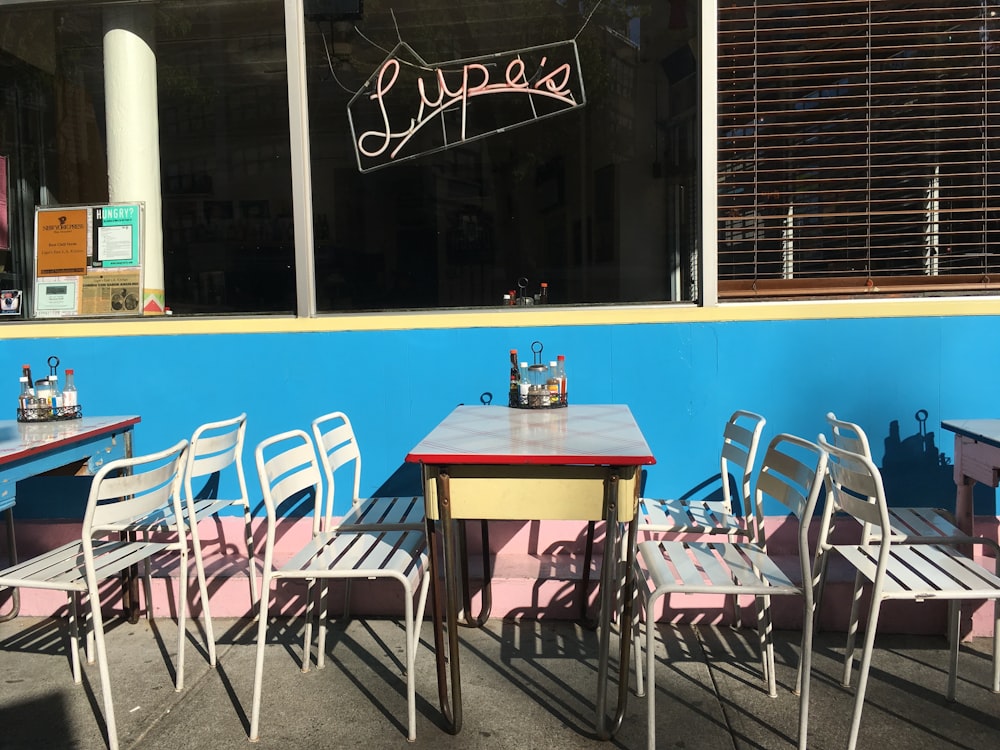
point(402, 513)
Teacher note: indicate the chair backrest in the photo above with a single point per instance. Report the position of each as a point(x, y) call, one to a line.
point(792, 472)
point(216, 446)
point(289, 476)
point(855, 488)
point(337, 446)
point(740, 441)
point(128, 489)
point(848, 435)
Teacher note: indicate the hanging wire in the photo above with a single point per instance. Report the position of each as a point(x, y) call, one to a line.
point(399, 36)
point(587, 19)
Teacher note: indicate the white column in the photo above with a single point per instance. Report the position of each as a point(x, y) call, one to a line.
point(133, 132)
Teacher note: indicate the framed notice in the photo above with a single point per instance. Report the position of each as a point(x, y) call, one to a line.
point(88, 260)
point(61, 241)
point(56, 297)
point(111, 293)
point(116, 235)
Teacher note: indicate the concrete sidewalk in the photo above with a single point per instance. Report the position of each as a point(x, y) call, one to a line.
point(527, 684)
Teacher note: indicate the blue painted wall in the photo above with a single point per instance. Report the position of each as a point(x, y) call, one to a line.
point(681, 380)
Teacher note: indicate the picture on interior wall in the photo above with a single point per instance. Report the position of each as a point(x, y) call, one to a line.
point(10, 302)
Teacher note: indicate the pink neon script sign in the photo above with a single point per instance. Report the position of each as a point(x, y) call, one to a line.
point(407, 109)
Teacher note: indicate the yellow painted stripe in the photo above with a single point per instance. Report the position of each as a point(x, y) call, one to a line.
point(499, 318)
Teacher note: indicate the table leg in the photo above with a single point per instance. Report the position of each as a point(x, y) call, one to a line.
point(452, 709)
point(487, 596)
point(15, 593)
point(130, 576)
point(588, 557)
point(608, 599)
point(963, 503)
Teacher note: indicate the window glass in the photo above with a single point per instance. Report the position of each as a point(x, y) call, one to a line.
point(593, 200)
point(51, 126)
point(224, 156)
point(224, 146)
point(855, 150)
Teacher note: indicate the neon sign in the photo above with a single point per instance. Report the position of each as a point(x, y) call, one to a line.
point(408, 108)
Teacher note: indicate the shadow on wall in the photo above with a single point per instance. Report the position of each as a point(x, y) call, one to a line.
point(917, 474)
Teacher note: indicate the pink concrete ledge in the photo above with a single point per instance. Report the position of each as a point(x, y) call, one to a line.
point(537, 574)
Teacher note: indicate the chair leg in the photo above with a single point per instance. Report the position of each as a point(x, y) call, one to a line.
point(258, 674)
point(650, 673)
point(805, 675)
point(308, 629)
point(866, 662)
point(97, 625)
point(254, 593)
point(637, 616)
point(147, 582)
point(74, 635)
point(765, 635)
point(411, 679)
point(323, 604)
point(954, 617)
point(199, 565)
point(182, 607)
point(852, 631)
point(819, 583)
point(88, 625)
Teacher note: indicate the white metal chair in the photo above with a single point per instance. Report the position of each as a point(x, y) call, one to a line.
point(908, 525)
point(740, 441)
point(289, 474)
point(792, 473)
point(121, 491)
point(337, 447)
point(215, 455)
point(896, 571)
point(217, 451)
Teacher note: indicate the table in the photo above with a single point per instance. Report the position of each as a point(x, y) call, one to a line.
point(28, 449)
point(580, 462)
point(977, 459)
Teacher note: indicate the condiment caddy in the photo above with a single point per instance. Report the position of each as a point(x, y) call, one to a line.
point(43, 400)
point(537, 385)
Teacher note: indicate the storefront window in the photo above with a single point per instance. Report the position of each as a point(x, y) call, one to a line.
point(586, 200)
point(592, 194)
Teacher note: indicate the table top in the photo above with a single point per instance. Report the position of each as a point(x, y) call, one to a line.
point(579, 434)
point(983, 430)
point(19, 440)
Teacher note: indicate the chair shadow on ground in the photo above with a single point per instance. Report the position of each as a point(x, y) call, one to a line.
point(48, 726)
point(381, 658)
point(906, 687)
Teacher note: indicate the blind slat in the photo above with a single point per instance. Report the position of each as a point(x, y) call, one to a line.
point(854, 147)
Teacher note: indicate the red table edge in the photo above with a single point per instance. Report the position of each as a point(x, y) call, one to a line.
point(438, 459)
point(116, 426)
